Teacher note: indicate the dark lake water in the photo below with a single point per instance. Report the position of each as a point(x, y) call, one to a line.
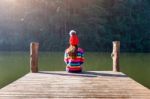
point(14, 65)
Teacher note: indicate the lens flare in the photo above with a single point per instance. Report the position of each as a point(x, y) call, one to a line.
point(10, 1)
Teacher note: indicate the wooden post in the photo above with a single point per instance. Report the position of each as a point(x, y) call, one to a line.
point(115, 56)
point(34, 57)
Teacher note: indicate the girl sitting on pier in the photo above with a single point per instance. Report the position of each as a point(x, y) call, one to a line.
point(73, 55)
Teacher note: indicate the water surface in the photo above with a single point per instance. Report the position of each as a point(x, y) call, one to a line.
point(16, 64)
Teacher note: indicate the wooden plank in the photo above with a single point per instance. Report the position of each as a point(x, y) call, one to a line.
point(59, 84)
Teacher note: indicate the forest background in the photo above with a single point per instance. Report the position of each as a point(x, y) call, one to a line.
point(97, 22)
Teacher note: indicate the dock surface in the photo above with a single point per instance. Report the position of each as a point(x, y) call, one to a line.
point(60, 84)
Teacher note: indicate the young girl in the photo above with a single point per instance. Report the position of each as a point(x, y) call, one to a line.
point(74, 64)
point(73, 55)
point(74, 41)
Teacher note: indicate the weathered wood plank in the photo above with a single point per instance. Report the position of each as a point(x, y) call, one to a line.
point(96, 84)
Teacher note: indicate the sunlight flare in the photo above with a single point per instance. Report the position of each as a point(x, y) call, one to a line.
point(10, 1)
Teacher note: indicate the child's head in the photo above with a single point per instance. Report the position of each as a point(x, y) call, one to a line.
point(72, 32)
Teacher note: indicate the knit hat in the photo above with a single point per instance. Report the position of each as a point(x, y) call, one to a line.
point(72, 32)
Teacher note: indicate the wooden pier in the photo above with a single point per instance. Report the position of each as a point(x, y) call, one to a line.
point(92, 84)
point(60, 84)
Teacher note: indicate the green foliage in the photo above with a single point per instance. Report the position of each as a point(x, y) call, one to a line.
point(97, 22)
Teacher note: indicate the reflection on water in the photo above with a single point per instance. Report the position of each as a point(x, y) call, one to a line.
point(16, 64)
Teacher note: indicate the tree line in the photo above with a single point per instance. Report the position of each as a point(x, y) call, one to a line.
point(97, 22)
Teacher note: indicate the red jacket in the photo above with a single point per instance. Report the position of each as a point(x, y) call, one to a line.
point(74, 40)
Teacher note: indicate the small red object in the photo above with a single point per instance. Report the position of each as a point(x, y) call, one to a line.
point(74, 40)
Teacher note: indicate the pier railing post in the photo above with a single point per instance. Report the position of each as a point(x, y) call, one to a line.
point(34, 57)
point(115, 56)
